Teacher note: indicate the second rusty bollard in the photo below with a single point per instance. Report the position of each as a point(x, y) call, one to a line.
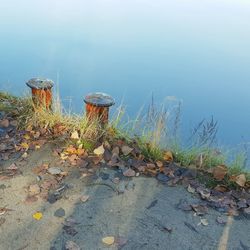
point(97, 106)
point(41, 92)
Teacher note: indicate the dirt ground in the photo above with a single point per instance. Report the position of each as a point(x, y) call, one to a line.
point(139, 212)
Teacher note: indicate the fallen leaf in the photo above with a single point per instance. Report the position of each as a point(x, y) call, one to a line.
point(34, 189)
point(241, 180)
point(25, 155)
point(99, 151)
point(219, 172)
point(26, 137)
point(13, 166)
point(71, 245)
point(126, 150)
point(71, 150)
point(190, 189)
point(108, 240)
point(116, 151)
point(200, 209)
point(84, 198)
point(74, 135)
point(25, 145)
point(37, 216)
point(168, 156)
point(204, 222)
point(221, 188)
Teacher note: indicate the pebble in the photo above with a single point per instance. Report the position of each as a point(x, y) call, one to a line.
point(59, 212)
point(162, 178)
point(121, 187)
point(129, 173)
point(54, 171)
point(104, 176)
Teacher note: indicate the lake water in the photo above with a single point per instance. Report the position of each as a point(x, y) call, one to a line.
point(196, 51)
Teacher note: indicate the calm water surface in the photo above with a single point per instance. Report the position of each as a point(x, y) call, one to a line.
point(197, 51)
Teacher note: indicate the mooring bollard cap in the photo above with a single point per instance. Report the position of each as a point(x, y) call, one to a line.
point(99, 99)
point(40, 83)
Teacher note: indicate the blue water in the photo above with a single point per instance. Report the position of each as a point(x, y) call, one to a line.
point(197, 51)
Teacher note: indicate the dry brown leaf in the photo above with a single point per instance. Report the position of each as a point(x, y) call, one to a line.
point(116, 151)
point(99, 151)
point(74, 135)
point(241, 180)
point(219, 172)
point(126, 150)
point(168, 156)
point(221, 188)
point(13, 166)
point(190, 189)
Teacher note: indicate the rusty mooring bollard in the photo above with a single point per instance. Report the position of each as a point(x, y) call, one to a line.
point(97, 106)
point(41, 92)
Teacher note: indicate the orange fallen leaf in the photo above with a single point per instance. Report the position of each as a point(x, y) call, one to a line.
point(168, 156)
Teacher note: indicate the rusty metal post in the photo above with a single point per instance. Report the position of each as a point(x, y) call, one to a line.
point(41, 92)
point(97, 106)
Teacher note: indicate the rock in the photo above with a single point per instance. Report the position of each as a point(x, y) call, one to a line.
point(13, 123)
point(59, 213)
point(130, 185)
point(70, 245)
point(104, 176)
point(121, 187)
point(162, 178)
point(54, 171)
point(129, 173)
point(34, 189)
point(52, 198)
point(4, 123)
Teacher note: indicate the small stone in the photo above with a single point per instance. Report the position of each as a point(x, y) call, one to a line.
point(4, 123)
point(221, 220)
point(13, 123)
point(104, 176)
point(59, 212)
point(70, 245)
point(162, 178)
point(34, 189)
point(121, 187)
point(54, 171)
point(129, 173)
